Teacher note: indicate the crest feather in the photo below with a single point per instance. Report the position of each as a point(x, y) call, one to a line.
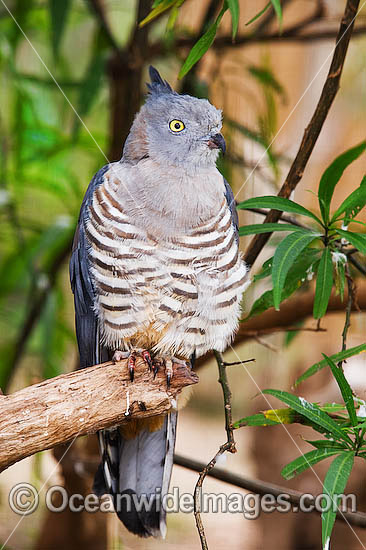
point(158, 85)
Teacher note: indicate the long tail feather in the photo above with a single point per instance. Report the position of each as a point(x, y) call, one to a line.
point(137, 472)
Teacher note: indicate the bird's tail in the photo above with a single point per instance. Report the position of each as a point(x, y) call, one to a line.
point(136, 471)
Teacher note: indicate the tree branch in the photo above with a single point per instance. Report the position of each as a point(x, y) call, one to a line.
point(263, 488)
point(60, 409)
point(312, 131)
point(295, 309)
point(229, 446)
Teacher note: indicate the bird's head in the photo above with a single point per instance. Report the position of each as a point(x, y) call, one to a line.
point(174, 129)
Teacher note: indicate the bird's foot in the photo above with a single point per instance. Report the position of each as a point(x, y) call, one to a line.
point(131, 355)
point(168, 362)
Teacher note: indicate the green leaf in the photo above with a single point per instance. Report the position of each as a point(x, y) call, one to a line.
point(259, 14)
point(58, 12)
point(277, 8)
point(336, 358)
point(254, 420)
point(357, 239)
point(265, 271)
point(295, 277)
point(345, 389)
point(304, 462)
point(258, 138)
point(332, 175)
point(266, 78)
point(326, 444)
point(257, 228)
point(311, 411)
point(202, 45)
point(324, 283)
point(334, 485)
point(285, 255)
point(234, 10)
point(353, 204)
point(158, 8)
point(277, 203)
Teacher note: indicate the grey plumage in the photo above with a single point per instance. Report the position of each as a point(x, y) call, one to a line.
point(156, 265)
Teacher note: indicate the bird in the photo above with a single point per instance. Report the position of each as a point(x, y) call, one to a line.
point(156, 273)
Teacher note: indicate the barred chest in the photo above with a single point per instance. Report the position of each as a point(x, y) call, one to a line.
point(176, 295)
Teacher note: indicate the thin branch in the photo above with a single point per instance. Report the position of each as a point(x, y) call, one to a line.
point(347, 322)
point(228, 446)
point(239, 362)
point(62, 408)
point(361, 268)
point(263, 488)
point(312, 131)
point(223, 380)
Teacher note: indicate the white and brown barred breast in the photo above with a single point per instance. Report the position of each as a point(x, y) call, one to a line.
point(175, 295)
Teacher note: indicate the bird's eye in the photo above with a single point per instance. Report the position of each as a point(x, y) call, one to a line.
point(176, 125)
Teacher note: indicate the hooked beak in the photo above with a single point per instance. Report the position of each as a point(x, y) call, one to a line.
point(217, 142)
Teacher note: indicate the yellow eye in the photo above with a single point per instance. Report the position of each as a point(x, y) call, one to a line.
point(176, 125)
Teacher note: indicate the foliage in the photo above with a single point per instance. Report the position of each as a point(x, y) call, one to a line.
point(342, 426)
point(206, 40)
point(328, 241)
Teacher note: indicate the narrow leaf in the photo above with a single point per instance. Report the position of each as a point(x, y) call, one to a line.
point(336, 357)
point(58, 12)
point(277, 203)
point(304, 462)
point(285, 255)
point(266, 78)
point(326, 444)
point(201, 46)
point(234, 10)
point(333, 174)
point(334, 485)
point(357, 239)
point(254, 420)
point(259, 14)
point(277, 8)
point(353, 204)
point(345, 389)
point(158, 9)
point(311, 411)
point(324, 283)
point(257, 228)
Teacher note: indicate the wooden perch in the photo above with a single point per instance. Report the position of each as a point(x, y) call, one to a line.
point(60, 409)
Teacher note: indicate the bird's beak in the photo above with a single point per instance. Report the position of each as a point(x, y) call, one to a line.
point(217, 142)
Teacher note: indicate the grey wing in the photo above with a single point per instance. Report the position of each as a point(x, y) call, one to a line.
point(232, 205)
point(82, 286)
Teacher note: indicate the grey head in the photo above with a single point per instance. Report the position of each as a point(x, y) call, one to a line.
point(174, 129)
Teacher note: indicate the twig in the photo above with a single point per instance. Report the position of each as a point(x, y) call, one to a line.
point(238, 362)
point(228, 446)
point(263, 488)
point(357, 265)
point(312, 131)
point(227, 401)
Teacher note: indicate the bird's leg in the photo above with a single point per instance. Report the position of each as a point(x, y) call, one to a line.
point(168, 363)
point(132, 355)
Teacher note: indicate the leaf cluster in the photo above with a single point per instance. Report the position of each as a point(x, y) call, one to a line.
point(343, 427)
point(319, 249)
